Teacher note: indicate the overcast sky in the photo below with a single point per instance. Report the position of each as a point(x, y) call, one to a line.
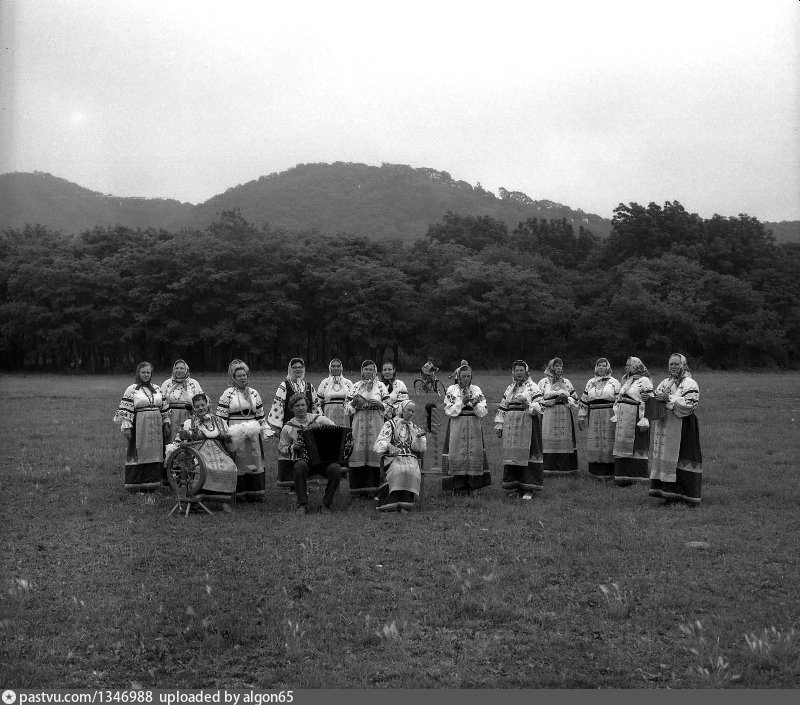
point(586, 103)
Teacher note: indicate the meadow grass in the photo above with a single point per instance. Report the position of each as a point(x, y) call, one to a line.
point(587, 586)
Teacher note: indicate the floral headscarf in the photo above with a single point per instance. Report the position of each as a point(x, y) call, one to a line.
point(202, 395)
point(550, 372)
point(139, 381)
point(637, 368)
point(684, 371)
point(605, 374)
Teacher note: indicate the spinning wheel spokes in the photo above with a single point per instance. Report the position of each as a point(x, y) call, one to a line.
point(186, 473)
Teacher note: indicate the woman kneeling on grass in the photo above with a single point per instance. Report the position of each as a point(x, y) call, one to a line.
point(143, 416)
point(212, 438)
point(403, 441)
point(676, 463)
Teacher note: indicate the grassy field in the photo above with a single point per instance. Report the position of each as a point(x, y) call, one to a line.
point(587, 586)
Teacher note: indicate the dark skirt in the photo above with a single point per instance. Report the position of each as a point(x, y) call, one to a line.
point(251, 487)
point(144, 476)
point(525, 479)
point(688, 483)
point(602, 471)
point(364, 480)
point(561, 463)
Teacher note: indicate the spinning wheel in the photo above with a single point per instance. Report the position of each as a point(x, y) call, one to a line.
point(186, 473)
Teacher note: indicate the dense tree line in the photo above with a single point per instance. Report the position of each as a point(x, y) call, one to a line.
point(720, 290)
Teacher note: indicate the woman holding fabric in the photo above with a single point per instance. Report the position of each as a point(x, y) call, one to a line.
point(368, 404)
point(403, 441)
point(596, 408)
point(143, 416)
point(212, 439)
point(518, 423)
point(464, 453)
point(179, 391)
point(676, 465)
point(397, 390)
point(560, 449)
point(632, 433)
point(332, 394)
point(241, 404)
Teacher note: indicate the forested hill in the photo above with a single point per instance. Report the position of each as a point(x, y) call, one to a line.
point(391, 201)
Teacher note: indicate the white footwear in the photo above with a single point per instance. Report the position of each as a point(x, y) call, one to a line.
point(528, 495)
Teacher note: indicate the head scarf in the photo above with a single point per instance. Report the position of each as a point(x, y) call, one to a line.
point(139, 382)
point(549, 371)
point(330, 364)
point(637, 369)
point(232, 369)
point(389, 382)
point(364, 364)
point(183, 380)
point(684, 371)
point(202, 395)
point(515, 364)
point(607, 373)
point(463, 366)
point(402, 405)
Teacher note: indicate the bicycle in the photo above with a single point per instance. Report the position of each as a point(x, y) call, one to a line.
point(423, 386)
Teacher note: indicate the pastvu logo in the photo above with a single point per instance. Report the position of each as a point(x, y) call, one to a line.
point(9, 697)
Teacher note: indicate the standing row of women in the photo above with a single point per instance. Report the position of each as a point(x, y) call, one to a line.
point(534, 421)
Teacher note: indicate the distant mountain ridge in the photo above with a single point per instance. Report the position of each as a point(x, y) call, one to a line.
point(390, 201)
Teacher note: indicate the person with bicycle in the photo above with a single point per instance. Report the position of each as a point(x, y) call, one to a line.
point(428, 371)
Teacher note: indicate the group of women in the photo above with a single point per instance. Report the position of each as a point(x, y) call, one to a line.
point(634, 433)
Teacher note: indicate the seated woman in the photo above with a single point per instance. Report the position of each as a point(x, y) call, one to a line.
point(292, 449)
point(368, 404)
point(397, 390)
point(211, 437)
point(403, 441)
point(179, 391)
point(632, 433)
point(596, 410)
point(518, 423)
point(676, 465)
point(559, 445)
point(143, 416)
point(332, 394)
point(464, 459)
point(240, 404)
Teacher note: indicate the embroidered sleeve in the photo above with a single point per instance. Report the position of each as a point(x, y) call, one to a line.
point(453, 403)
point(322, 391)
point(164, 404)
point(316, 404)
point(500, 416)
point(685, 399)
point(125, 409)
point(583, 403)
point(479, 402)
point(275, 418)
point(384, 438)
point(223, 405)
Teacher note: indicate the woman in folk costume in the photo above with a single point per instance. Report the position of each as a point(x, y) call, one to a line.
point(368, 404)
point(632, 433)
point(295, 383)
point(241, 404)
point(464, 453)
point(179, 391)
point(518, 423)
point(397, 390)
point(560, 449)
point(212, 440)
point(402, 441)
point(281, 412)
point(332, 394)
point(596, 410)
point(143, 416)
point(676, 463)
